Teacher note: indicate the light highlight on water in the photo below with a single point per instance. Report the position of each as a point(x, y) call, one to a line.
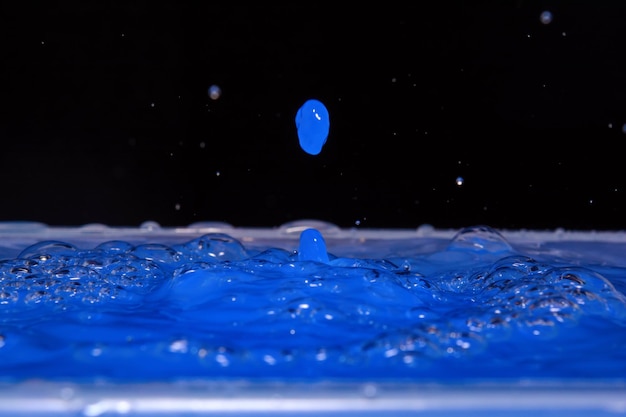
point(214, 308)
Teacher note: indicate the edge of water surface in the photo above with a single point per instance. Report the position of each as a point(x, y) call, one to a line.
point(361, 241)
point(227, 397)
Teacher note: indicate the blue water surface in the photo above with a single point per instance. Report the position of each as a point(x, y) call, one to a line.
point(213, 308)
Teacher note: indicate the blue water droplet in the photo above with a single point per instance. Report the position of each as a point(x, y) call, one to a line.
point(545, 17)
point(313, 123)
point(312, 246)
point(215, 92)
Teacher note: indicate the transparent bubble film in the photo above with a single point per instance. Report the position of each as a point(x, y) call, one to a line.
point(213, 308)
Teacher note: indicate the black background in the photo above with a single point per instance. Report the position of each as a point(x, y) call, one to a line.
point(107, 118)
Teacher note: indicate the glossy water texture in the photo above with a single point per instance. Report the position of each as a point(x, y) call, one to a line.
point(213, 308)
point(312, 246)
point(313, 124)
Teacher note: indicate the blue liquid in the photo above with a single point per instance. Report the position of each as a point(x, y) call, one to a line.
point(312, 246)
point(313, 124)
point(213, 308)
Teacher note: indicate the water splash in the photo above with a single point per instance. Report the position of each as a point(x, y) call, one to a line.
point(210, 307)
point(312, 246)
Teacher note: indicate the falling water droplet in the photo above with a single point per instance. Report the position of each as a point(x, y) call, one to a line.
point(313, 123)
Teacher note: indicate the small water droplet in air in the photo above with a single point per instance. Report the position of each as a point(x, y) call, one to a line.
point(215, 92)
point(459, 181)
point(545, 17)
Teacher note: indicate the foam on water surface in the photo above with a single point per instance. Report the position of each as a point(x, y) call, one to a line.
point(473, 305)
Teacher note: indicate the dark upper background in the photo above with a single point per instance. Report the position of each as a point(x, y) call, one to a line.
point(107, 118)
